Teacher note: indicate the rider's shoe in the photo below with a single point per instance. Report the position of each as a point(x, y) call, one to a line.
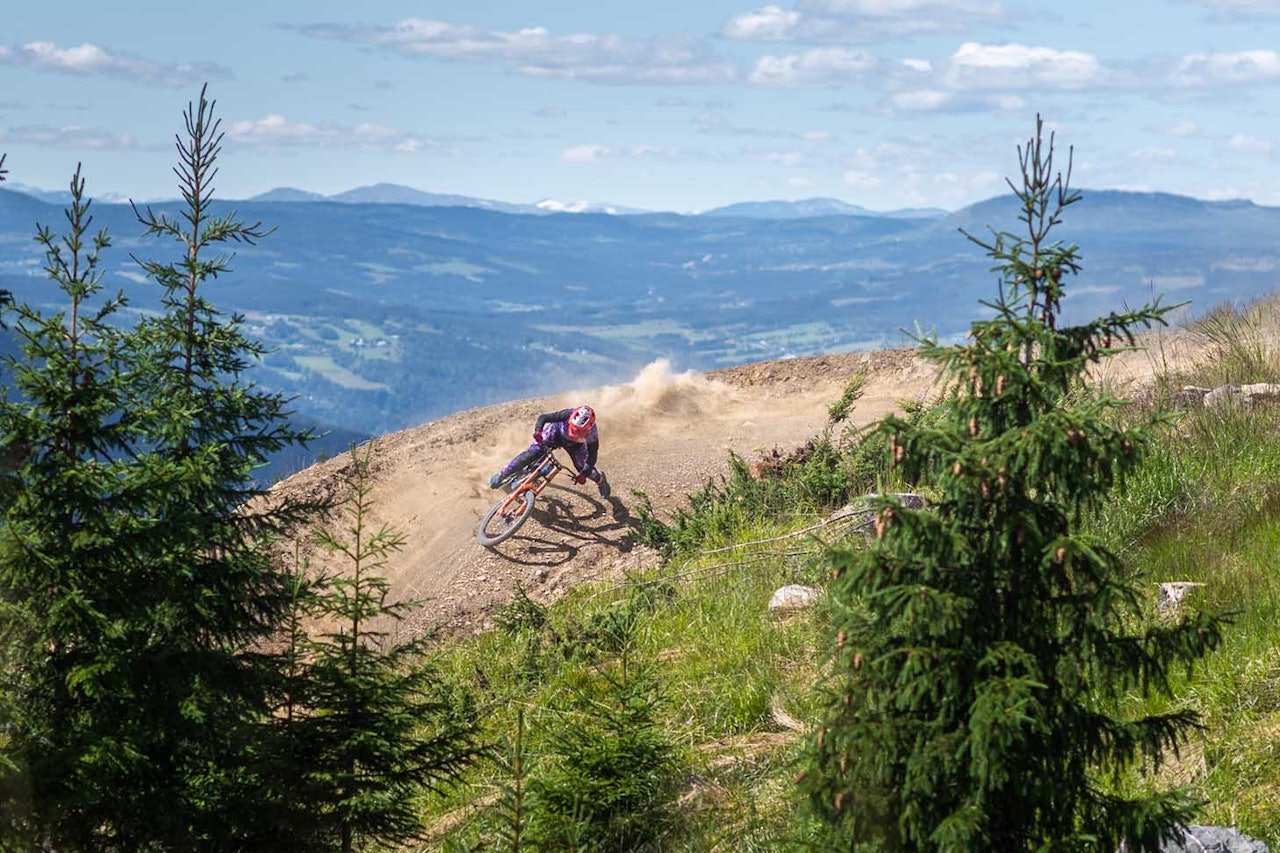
point(496, 480)
point(605, 491)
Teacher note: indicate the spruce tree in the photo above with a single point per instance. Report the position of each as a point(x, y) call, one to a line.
point(607, 785)
point(138, 548)
point(370, 708)
point(215, 591)
point(982, 647)
point(60, 574)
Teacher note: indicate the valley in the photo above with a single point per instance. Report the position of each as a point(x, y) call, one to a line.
point(380, 316)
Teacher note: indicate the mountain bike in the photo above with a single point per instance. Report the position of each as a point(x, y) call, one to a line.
point(504, 518)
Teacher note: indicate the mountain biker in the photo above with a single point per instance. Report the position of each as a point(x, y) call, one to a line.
point(572, 429)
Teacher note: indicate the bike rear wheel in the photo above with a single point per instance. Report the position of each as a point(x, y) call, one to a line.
point(498, 526)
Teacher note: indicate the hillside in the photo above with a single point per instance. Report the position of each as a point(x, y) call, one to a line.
point(380, 316)
point(663, 434)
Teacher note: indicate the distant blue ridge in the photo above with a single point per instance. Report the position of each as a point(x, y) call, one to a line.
point(385, 315)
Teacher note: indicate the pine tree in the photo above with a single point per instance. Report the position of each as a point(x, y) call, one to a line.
point(60, 573)
point(981, 647)
point(513, 820)
point(215, 591)
point(371, 712)
point(613, 769)
point(138, 546)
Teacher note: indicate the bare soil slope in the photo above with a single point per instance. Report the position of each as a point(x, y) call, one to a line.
point(663, 433)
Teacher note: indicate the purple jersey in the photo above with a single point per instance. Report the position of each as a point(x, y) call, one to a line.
point(552, 429)
point(556, 434)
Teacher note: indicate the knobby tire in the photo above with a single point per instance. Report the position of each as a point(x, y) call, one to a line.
point(518, 515)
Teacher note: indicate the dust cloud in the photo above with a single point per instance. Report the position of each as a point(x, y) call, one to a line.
point(657, 400)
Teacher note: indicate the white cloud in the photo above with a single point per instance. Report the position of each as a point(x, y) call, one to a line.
point(862, 180)
point(1239, 9)
point(639, 151)
point(1246, 66)
point(986, 78)
point(584, 153)
point(1016, 66)
point(69, 137)
point(921, 100)
point(1243, 143)
point(858, 21)
point(1153, 154)
point(594, 153)
point(941, 100)
point(939, 170)
point(94, 60)
point(279, 132)
point(770, 23)
point(824, 66)
point(982, 77)
point(537, 52)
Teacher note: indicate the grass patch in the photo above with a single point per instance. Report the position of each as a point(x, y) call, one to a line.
point(734, 687)
point(335, 373)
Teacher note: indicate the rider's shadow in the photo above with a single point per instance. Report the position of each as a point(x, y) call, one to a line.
point(537, 550)
point(604, 517)
point(562, 522)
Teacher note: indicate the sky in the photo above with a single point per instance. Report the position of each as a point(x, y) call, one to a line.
point(677, 105)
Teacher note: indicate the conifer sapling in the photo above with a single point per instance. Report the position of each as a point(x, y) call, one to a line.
point(981, 647)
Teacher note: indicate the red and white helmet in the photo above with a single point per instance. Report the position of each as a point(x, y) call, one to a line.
point(580, 422)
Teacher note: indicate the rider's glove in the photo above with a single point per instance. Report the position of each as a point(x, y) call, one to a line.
point(579, 478)
point(537, 436)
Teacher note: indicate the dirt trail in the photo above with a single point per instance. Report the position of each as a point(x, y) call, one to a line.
point(663, 433)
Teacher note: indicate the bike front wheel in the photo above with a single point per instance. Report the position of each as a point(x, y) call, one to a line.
point(504, 518)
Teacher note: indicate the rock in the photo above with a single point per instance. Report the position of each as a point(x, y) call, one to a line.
point(1213, 839)
point(1223, 396)
point(907, 500)
point(1189, 396)
point(1261, 392)
point(794, 597)
point(1171, 595)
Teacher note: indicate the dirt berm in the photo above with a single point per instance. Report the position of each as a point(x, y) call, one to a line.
point(664, 434)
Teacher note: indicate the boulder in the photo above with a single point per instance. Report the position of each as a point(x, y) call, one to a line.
point(1224, 396)
point(1261, 392)
point(794, 597)
point(1213, 839)
point(1189, 396)
point(907, 500)
point(1171, 595)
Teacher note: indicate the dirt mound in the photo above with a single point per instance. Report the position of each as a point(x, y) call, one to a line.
point(663, 433)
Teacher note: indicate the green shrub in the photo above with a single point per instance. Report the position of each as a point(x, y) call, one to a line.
point(606, 786)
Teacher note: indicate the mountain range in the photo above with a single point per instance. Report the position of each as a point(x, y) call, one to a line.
point(398, 194)
point(385, 314)
point(386, 193)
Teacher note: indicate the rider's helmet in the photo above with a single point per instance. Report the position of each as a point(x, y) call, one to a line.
point(581, 420)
